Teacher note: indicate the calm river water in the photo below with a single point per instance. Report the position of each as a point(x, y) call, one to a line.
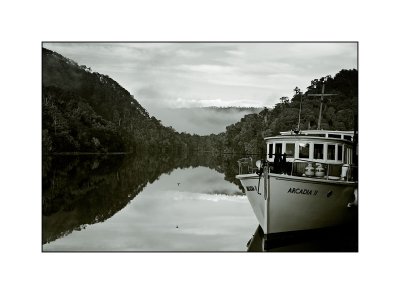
point(157, 203)
point(144, 203)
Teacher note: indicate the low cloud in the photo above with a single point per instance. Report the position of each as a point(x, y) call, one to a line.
point(201, 121)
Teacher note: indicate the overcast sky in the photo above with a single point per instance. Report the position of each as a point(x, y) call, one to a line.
point(175, 75)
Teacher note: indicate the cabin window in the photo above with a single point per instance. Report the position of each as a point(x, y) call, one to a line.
point(346, 137)
point(270, 152)
point(331, 152)
point(289, 150)
point(339, 153)
point(334, 136)
point(318, 151)
point(304, 150)
point(278, 148)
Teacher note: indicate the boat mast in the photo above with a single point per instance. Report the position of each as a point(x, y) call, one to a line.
point(322, 95)
point(320, 106)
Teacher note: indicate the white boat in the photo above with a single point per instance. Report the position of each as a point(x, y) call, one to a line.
point(314, 187)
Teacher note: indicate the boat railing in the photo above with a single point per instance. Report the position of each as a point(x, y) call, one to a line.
point(247, 166)
point(297, 167)
point(330, 171)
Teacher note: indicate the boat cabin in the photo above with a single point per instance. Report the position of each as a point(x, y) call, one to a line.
point(313, 148)
point(314, 145)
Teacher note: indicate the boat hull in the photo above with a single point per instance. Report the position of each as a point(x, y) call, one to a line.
point(288, 203)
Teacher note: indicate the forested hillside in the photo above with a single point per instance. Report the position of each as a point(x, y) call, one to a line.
point(84, 111)
point(338, 113)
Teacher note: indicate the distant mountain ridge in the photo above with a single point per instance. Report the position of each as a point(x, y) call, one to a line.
point(202, 120)
point(225, 108)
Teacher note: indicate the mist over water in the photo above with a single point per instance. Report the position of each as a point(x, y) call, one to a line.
point(201, 121)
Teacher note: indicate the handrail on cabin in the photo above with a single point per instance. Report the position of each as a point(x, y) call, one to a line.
point(329, 165)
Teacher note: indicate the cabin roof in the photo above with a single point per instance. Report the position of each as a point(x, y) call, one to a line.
point(326, 135)
point(318, 132)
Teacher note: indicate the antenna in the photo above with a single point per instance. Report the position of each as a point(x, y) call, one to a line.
point(301, 100)
point(322, 95)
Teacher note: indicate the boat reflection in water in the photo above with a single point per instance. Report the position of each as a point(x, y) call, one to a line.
point(335, 239)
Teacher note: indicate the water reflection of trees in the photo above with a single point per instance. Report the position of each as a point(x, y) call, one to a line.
point(81, 190)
